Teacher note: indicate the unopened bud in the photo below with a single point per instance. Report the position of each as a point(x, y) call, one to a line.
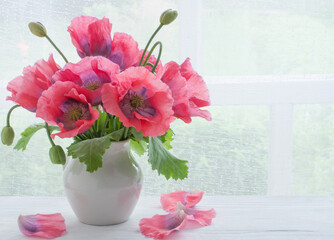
point(37, 29)
point(168, 16)
point(7, 135)
point(57, 155)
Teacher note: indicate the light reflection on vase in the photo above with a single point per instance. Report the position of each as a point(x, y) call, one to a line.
point(109, 195)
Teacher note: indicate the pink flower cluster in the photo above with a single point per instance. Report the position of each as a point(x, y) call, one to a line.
point(108, 75)
point(180, 205)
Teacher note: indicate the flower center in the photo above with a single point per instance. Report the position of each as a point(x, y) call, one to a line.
point(92, 84)
point(75, 114)
point(73, 111)
point(136, 101)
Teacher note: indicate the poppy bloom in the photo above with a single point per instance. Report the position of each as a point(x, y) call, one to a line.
point(27, 89)
point(189, 91)
point(141, 100)
point(42, 225)
point(90, 74)
point(160, 226)
point(65, 105)
point(91, 36)
point(189, 199)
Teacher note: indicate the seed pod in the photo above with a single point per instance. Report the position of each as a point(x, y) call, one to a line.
point(57, 155)
point(37, 29)
point(168, 16)
point(7, 135)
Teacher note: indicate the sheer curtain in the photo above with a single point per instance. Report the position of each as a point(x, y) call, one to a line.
point(268, 65)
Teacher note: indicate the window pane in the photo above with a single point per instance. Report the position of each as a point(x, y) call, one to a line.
point(313, 162)
point(267, 37)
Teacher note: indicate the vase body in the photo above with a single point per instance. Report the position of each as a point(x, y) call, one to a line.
point(108, 195)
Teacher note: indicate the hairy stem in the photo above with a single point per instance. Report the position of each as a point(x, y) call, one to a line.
point(54, 45)
point(149, 42)
point(10, 112)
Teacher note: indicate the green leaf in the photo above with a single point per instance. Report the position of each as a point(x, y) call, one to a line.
point(90, 151)
point(116, 135)
point(138, 136)
point(167, 138)
point(29, 132)
point(164, 162)
point(138, 147)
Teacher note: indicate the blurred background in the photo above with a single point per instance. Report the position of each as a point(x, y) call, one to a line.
point(269, 68)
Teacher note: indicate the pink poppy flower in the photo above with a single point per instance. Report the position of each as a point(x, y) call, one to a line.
point(91, 36)
point(160, 226)
point(65, 105)
point(189, 199)
point(124, 51)
point(27, 89)
point(90, 74)
point(189, 91)
point(141, 100)
point(42, 225)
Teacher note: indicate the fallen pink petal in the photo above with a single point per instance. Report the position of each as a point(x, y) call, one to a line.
point(42, 225)
point(189, 199)
point(160, 226)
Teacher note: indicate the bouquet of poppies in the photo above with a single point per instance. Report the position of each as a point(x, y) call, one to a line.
point(116, 92)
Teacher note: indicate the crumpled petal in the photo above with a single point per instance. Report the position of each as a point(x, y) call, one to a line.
point(203, 217)
point(189, 199)
point(42, 225)
point(160, 226)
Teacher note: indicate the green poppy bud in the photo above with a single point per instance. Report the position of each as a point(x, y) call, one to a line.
point(37, 29)
point(7, 135)
point(168, 16)
point(57, 155)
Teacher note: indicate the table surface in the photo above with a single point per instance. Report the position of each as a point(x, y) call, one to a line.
point(238, 217)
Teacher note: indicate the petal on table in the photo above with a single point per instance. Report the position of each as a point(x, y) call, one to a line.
point(42, 225)
point(189, 199)
point(160, 226)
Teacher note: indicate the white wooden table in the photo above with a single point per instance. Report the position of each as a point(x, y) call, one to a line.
point(238, 217)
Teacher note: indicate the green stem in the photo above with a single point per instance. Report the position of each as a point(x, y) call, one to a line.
point(159, 56)
point(54, 45)
point(149, 64)
point(151, 51)
point(105, 125)
point(10, 112)
point(49, 134)
point(149, 42)
point(126, 130)
point(94, 130)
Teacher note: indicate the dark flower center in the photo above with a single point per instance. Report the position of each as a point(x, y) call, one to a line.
point(137, 101)
point(73, 111)
point(92, 84)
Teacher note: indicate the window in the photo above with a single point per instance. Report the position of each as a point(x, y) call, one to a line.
point(269, 69)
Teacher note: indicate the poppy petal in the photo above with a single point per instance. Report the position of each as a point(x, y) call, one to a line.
point(189, 199)
point(42, 225)
point(160, 226)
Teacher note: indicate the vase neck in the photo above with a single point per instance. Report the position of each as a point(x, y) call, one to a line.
point(118, 147)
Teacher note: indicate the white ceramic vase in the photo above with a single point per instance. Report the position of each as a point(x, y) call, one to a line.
point(108, 195)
